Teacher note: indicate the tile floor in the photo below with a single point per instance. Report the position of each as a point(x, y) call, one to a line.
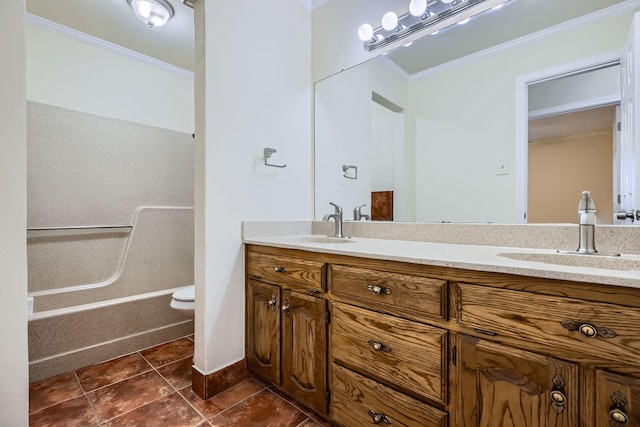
point(152, 388)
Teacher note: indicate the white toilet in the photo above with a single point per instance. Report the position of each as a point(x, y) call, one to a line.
point(182, 301)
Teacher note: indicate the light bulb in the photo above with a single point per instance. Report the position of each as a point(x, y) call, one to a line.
point(464, 21)
point(418, 7)
point(447, 1)
point(389, 21)
point(154, 13)
point(365, 32)
point(434, 33)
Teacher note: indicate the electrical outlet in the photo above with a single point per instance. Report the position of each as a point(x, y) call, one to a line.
point(30, 305)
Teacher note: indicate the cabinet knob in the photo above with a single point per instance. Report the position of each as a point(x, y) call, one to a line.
point(280, 269)
point(378, 346)
point(588, 330)
point(286, 308)
point(379, 290)
point(378, 418)
point(273, 302)
point(618, 417)
point(558, 395)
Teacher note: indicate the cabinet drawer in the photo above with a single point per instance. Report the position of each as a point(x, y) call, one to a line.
point(399, 352)
point(355, 401)
point(398, 293)
point(286, 270)
point(590, 329)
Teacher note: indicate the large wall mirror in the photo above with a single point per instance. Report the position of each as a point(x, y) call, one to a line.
point(428, 132)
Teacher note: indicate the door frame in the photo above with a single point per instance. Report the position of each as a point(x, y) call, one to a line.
point(522, 115)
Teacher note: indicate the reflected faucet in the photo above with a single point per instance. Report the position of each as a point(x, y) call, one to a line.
point(587, 224)
point(337, 218)
point(358, 215)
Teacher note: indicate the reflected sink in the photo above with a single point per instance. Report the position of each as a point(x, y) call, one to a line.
point(325, 240)
point(576, 260)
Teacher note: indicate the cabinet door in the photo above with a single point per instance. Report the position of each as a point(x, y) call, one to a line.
point(263, 330)
point(501, 386)
point(617, 400)
point(304, 348)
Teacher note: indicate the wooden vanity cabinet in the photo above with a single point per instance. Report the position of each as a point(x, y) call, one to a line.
point(286, 325)
point(505, 386)
point(417, 345)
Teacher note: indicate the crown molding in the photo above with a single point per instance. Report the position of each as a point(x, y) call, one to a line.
point(37, 21)
point(590, 18)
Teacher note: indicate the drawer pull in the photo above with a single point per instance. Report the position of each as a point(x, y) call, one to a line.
point(588, 330)
point(280, 269)
point(273, 302)
point(617, 414)
point(378, 418)
point(558, 396)
point(379, 290)
point(378, 346)
point(286, 308)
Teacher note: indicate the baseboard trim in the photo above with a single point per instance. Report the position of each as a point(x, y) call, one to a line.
point(206, 386)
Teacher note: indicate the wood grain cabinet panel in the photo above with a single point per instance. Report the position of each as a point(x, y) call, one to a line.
point(263, 330)
point(561, 324)
point(360, 401)
point(422, 297)
point(408, 355)
point(304, 348)
point(286, 270)
point(617, 400)
point(501, 386)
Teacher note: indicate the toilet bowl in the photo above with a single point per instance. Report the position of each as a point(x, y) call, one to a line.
point(182, 301)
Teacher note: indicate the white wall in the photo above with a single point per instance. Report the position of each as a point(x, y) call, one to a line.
point(466, 124)
point(253, 90)
point(73, 74)
point(14, 392)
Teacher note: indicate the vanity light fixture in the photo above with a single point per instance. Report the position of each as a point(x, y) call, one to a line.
point(154, 13)
point(434, 15)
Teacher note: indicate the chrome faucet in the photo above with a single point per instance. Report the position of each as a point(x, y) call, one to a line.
point(587, 224)
point(358, 215)
point(337, 218)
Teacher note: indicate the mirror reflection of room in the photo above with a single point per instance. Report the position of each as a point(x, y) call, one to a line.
point(463, 164)
point(572, 140)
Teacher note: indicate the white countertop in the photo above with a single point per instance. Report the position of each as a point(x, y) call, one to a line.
point(618, 271)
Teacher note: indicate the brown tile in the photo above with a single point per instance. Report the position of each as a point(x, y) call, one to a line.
point(72, 413)
point(113, 371)
point(168, 352)
point(224, 400)
point(178, 374)
point(264, 409)
point(53, 390)
point(116, 399)
point(207, 386)
point(191, 337)
point(167, 411)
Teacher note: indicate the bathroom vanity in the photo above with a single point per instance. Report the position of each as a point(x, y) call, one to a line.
point(364, 339)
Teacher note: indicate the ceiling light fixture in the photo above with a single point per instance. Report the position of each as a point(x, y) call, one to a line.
point(154, 13)
point(433, 15)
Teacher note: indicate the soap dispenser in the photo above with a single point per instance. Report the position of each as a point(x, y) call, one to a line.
point(587, 224)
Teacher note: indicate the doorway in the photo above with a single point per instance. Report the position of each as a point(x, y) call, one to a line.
point(566, 135)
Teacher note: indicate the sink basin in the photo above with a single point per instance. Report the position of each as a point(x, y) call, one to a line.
point(326, 240)
point(576, 260)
